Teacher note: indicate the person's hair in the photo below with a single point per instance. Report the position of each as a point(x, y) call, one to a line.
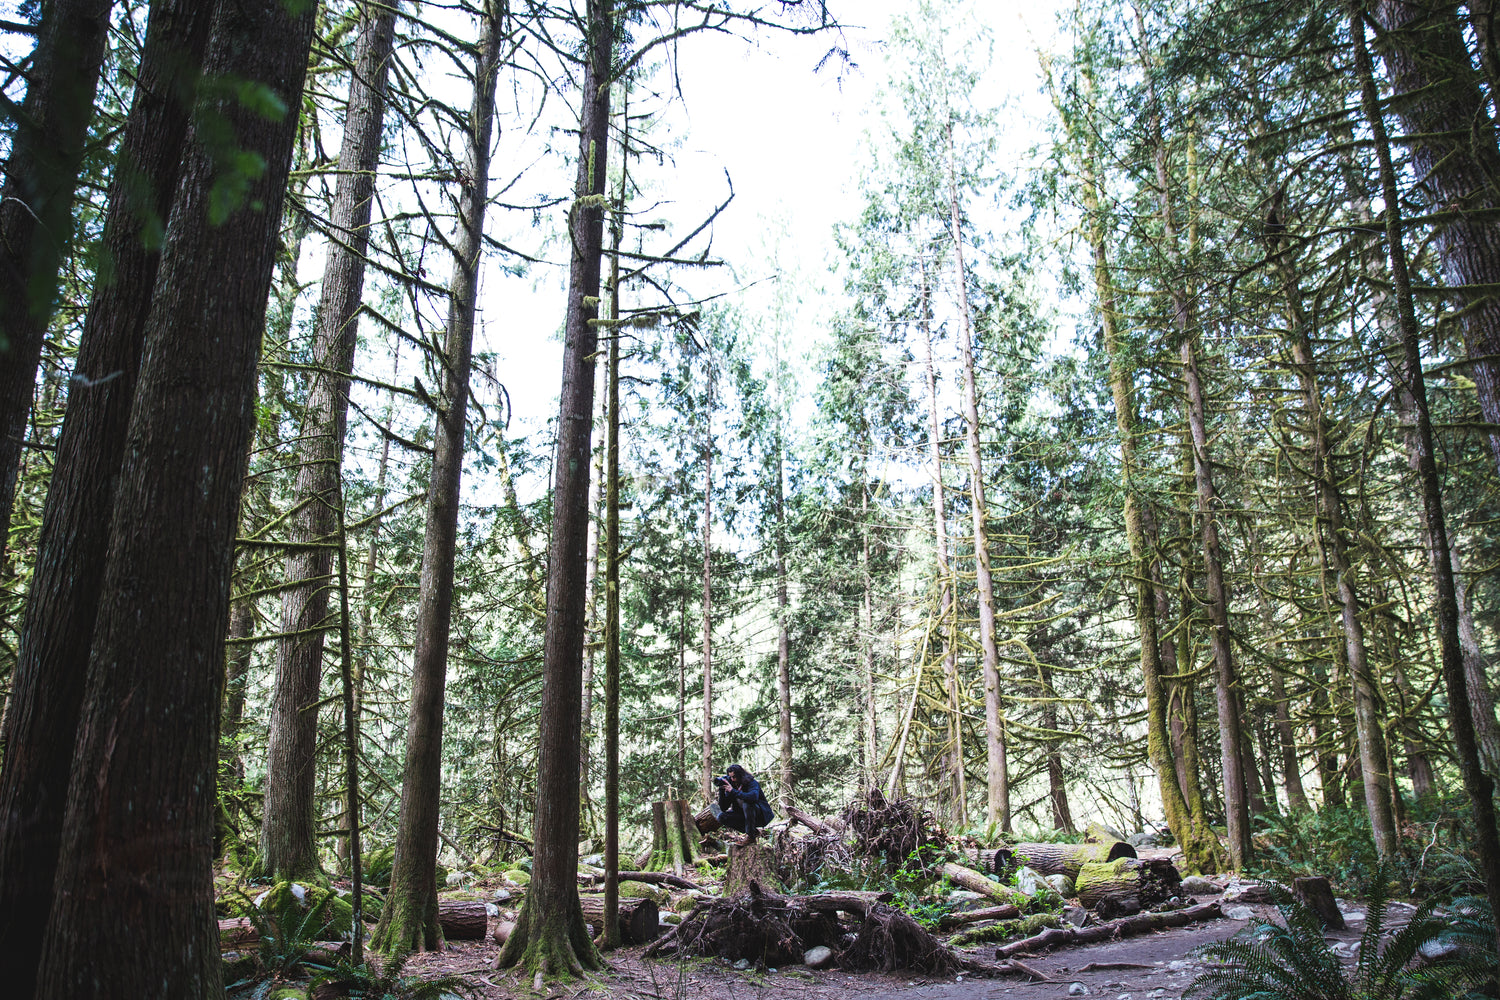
point(736, 769)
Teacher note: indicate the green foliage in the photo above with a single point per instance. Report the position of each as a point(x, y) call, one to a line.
point(1291, 961)
point(384, 981)
point(377, 864)
point(1334, 841)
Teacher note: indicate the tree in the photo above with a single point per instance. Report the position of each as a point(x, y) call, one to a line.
point(138, 829)
point(408, 920)
point(36, 207)
point(287, 845)
point(52, 662)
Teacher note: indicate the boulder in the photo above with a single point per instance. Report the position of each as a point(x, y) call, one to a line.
point(1060, 884)
point(1197, 885)
point(816, 958)
point(1239, 913)
point(1240, 891)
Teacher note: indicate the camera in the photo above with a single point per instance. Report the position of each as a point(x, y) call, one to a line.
point(721, 781)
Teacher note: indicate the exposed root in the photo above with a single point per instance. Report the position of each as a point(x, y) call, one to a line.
point(892, 830)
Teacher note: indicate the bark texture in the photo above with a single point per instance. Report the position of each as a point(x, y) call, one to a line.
point(287, 844)
point(52, 660)
point(138, 830)
point(36, 208)
point(409, 920)
point(550, 936)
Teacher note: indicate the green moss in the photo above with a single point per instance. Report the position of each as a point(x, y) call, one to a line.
point(518, 877)
point(307, 912)
point(1004, 930)
point(378, 864)
point(640, 890)
point(684, 904)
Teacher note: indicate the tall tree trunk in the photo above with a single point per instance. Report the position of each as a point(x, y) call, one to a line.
point(1438, 96)
point(550, 935)
point(997, 785)
point(1057, 786)
point(706, 771)
point(288, 845)
point(47, 685)
point(1201, 849)
point(1286, 737)
point(138, 830)
point(959, 792)
point(408, 920)
point(872, 716)
point(783, 637)
point(1368, 713)
point(1478, 785)
point(36, 208)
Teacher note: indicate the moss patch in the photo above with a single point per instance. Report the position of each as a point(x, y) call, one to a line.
point(641, 890)
point(306, 912)
point(1004, 930)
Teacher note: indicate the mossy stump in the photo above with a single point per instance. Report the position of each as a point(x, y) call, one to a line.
point(752, 862)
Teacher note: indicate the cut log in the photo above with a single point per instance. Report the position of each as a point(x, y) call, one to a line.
point(237, 933)
point(1127, 884)
point(1317, 895)
point(462, 921)
point(975, 882)
point(670, 844)
point(752, 862)
point(640, 919)
point(948, 921)
point(503, 930)
point(1055, 859)
point(707, 820)
point(1141, 923)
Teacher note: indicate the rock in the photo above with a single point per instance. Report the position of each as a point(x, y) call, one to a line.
point(1078, 990)
point(1176, 965)
point(501, 895)
point(290, 903)
point(1027, 881)
point(640, 890)
point(593, 860)
point(816, 958)
point(518, 877)
point(671, 918)
point(1197, 885)
point(1143, 840)
point(491, 910)
point(1060, 884)
point(1075, 915)
point(1435, 949)
point(963, 896)
point(1343, 949)
point(1238, 891)
point(1239, 913)
point(742, 964)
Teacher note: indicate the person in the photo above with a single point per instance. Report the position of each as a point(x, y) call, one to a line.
point(742, 804)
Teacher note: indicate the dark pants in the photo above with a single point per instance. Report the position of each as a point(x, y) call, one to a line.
point(741, 816)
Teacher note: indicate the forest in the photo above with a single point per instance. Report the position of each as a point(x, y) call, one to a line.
point(1117, 482)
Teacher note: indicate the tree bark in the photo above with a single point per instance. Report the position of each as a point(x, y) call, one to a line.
point(706, 775)
point(1478, 785)
point(47, 685)
point(138, 830)
point(287, 840)
point(550, 936)
point(997, 784)
point(1455, 155)
point(408, 921)
point(36, 208)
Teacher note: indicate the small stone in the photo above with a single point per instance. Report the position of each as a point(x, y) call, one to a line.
point(1143, 840)
point(963, 896)
point(742, 964)
point(1078, 990)
point(1075, 915)
point(501, 895)
point(1060, 884)
point(816, 958)
point(1240, 913)
point(1197, 885)
point(1248, 892)
point(770, 970)
point(1176, 966)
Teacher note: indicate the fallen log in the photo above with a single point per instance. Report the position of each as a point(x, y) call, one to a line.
point(973, 881)
point(650, 878)
point(237, 933)
point(948, 921)
point(462, 921)
point(1055, 859)
point(1127, 885)
point(639, 919)
point(815, 825)
point(1059, 937)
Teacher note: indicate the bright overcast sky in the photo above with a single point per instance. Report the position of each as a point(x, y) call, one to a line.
point(791, 141)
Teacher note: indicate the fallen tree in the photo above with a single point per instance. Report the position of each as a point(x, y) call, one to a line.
point(1055, 859)
point(1061, 937)
point(1127, 885)
point(639, 919)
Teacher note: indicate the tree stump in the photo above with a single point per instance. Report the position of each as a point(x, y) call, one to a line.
point(671, 846)
point(640, 919)
point(753, 862)
point(1056, 859)
point(462, 921)
point(1317, 895)
point(1126, 885)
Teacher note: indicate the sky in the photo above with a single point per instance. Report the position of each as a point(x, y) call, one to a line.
point(791, 141)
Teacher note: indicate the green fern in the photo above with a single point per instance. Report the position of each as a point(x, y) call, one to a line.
point(1291, 961)
point(384, 981)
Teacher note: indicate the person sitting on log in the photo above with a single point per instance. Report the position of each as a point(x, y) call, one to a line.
point(742, 803)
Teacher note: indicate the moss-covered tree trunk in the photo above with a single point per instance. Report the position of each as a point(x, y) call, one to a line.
point(408, 922)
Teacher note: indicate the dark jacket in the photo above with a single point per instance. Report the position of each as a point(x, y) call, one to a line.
point(750, 797)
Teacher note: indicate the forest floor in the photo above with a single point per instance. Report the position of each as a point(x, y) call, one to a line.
point(1156, 966)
